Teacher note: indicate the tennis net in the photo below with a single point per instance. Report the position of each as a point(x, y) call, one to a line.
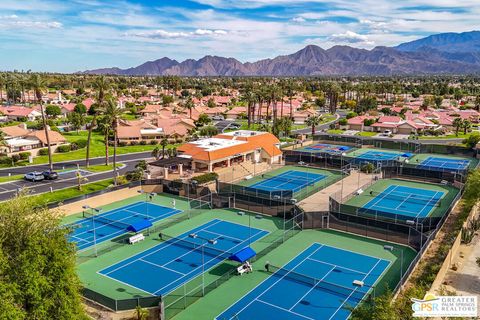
point(301, 180)
point(185, 243)
point(357, 293)
point(408, 197)
point(102, 219)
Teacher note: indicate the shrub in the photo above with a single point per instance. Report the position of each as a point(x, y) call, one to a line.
point(467, 235)
point(43, 152)
point(120, 144)
point(153, 142)
point(343, 122)
point(207, 177)
point(135, 175)
point(178, 140)
point(351, 115)
point(5, 160)
point(15, 158)
point(143, 142)
point(24, 155)
point(81, 143)
point(64, 148)
point(133, 143)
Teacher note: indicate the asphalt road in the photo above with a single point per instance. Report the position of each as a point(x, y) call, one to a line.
point(341, 113)
point(73, 164)
point(66, 180)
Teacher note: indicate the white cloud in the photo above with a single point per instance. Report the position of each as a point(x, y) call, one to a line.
point(15, 22)
point(350, 37)
point(162, 34)
point(298, 19)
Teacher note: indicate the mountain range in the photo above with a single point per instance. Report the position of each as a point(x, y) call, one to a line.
point(445, 53)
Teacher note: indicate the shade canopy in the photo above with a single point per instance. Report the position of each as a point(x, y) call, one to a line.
point(139, 226)
point(243, 255)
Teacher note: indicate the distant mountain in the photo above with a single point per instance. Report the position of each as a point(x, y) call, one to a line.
point(448, 42)
point(424, 56)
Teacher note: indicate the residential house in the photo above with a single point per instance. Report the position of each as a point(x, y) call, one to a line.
point(20, 113)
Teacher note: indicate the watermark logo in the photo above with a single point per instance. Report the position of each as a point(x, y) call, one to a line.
point(445, 306)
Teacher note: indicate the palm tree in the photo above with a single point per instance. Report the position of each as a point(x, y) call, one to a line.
point(290, 92)
point(163, 144)
point(156, 153)
point(250, 98)
point(113, 113)
point(39, 86)
point(457, 124)
point(467, 125)
point(105, 125)
point(313, 121)
point(101, 85)
point(189, 105)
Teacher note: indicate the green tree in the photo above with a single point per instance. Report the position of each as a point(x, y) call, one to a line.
point(113, 113)
point(203, 119)
point(76, 120)
point(312, 122)
point(208, 131)
point(167, 100)
point(438, 101)
point(53, 111)
point(457, 125)
point(80, 108)
point(477, 103)
point(38, 278)
point(38, 84)
point(467, 126)
point(101, 86)
point(211, 103)
point(381, 308)
point(163, 144)
point(156, 152)
point(189, 105)
point(473, 139)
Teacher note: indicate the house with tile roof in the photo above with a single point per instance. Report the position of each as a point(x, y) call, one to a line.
point(227, 149)
point(20, 139)
point(19, 113)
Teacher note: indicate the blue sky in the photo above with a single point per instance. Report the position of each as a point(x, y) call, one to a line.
point(67, 36)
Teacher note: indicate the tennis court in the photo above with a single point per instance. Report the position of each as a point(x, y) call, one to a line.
point(439, 163)
point(375, 155)
point(290, 180)
point(326, 148)
point(161, 269)
point(108, 225)
point(316, 284)
point(403, 201)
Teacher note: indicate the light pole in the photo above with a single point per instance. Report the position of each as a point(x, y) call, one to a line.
point(97, 210)
point(206, 241)
point(391, 249)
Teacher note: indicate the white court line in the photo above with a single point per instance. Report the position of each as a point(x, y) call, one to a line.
point(126, 284)
point(214, 258)
point(354, 290)
point(336, 265)
point(283, 277)
point(382, 197)
point(155, 251)
point(222, 235)
point(160, 266)
point(283, 309)
point(312, 288)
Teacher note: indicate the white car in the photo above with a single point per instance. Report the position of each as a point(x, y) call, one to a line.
point(34, 176)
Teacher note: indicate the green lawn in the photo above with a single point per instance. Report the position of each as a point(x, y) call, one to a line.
point(60, 195)
point(97, 148)
point(335, 131)
point(366, 134)
point(461, 135)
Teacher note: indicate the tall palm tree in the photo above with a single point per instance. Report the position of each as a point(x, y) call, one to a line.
point(101, 85)
point(189, 105)
point(457, 124)
point(163, 144)
point(113, 112)
point(313, 121)
point(105, 125)
point(290, 92)
point(38, 85)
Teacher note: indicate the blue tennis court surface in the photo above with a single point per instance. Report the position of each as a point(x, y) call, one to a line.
point(327, 148)
point(374, 155)
point(113, 223)
point(404, 201)
point(438, 163)
point(174, 262)
point(316, 284)
point(290, 180)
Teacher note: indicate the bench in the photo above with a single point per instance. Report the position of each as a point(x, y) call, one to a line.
point(248, 177)
point(244, 268)
point(136, 238)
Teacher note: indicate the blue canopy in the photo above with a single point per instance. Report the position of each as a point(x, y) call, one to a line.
point(344, 148)
point(407, 155)
point(139, 226)
point(243, 255)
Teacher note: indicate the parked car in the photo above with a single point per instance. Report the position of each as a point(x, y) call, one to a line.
point(34, 176)
point(50, 175)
